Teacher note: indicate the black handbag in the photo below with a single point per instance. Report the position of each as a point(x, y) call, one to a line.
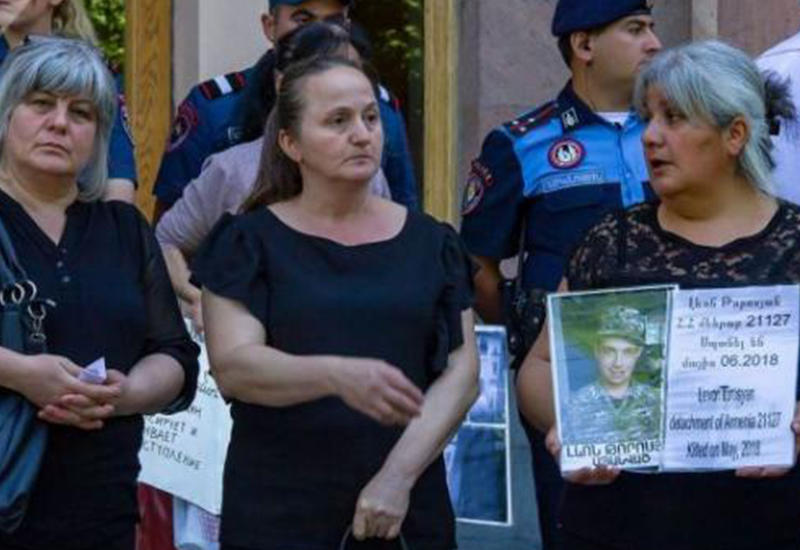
point(23, 437)
point(401, 541)
point(524, 310)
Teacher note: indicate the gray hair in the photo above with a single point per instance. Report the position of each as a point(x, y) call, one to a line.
point(63, 66)
point(714, 82)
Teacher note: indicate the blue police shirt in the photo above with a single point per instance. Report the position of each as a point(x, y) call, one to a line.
point(559, 168)
point(206, 123)
point(121, 161)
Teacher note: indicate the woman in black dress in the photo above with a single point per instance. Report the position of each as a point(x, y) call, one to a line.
point(339, 325)
point(101, 267)
point(707, 144)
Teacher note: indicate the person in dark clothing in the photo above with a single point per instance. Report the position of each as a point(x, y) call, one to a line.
point(715, 224)
point(100, 268)
point(339, 324)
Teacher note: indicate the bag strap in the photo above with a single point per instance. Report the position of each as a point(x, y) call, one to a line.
point(11, 271)
point(349, 532)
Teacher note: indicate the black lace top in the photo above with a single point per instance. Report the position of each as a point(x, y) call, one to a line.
point(682, 511)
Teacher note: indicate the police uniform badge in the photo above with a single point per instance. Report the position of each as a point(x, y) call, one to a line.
point(185, 121)
point(565, 154)
point(478, 180)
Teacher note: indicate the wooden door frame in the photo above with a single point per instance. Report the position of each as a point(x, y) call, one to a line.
point(441, 108)
point(148, 88)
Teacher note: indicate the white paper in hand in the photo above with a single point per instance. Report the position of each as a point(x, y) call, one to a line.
point(95, 373)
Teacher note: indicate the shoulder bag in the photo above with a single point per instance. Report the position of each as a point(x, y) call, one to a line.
point(23, 437)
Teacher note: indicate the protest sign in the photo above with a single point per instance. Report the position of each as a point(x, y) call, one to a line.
point(732, 378)
point(477, 458)
point(184, 453)
point(660, 378)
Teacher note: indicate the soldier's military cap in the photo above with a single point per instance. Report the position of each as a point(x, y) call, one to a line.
point(582, 15)
point(273, 3)
point(623, 322)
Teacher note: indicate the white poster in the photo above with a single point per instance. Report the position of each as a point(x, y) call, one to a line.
point(667, 379)
point(732, 378)
point(184, 453)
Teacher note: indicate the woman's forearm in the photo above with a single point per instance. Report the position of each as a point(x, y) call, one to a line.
point(152, 384)
point(535, 393)
point(12, 370)
point(263, 375)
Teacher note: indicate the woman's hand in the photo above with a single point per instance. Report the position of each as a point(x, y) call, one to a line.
point(601, 475)
point(377, 389)
point(756, 472)
point(381, 507)
point(47, 379)
point(85, 412)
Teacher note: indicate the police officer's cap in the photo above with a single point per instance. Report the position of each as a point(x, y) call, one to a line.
point(623, 322)
point(583, 15)
point(273, 3)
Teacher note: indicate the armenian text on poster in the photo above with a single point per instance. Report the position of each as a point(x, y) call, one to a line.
point(667, 379)
point(731, 378)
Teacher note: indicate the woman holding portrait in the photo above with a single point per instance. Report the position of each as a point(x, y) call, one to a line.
point(339, 325)
point(100, 269)
point(715, 224)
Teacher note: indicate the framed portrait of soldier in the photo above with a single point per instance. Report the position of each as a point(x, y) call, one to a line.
point(608, 353)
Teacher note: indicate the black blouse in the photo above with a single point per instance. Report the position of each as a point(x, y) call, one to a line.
point(114, 300)
point(695, 510)
point(293, 474)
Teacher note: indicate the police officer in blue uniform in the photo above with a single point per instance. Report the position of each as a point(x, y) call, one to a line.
point(210, 119)
point(554, 171)
point(121, 160)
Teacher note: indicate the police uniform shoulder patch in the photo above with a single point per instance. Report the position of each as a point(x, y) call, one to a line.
point(223, 85)
point(527, 122)
point(185, 121)
point(478, 181)
point(566, 153)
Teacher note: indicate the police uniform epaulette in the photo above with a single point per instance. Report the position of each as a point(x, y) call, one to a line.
point(223, 85)
point(527, 122)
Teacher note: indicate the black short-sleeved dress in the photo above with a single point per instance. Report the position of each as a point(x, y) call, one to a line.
point(114, 300)
point(293, 474)
point(684, 511)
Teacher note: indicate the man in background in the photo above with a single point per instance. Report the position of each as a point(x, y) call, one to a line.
point(550, 174)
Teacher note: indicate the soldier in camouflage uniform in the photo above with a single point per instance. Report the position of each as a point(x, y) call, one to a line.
point(615, 408)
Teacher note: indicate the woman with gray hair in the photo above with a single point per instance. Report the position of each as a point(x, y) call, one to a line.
point(99, 269)
point(715, 224)
point(20, 19)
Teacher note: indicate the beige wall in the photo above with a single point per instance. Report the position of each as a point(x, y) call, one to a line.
point(213, 37)
point(509, 62)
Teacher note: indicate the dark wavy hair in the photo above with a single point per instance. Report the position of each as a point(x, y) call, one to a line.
point(279, 176)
